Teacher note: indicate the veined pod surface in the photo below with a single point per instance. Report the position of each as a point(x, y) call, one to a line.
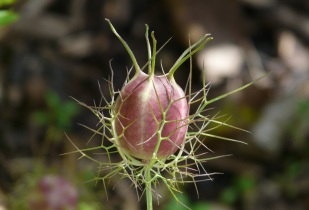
point(151, 109)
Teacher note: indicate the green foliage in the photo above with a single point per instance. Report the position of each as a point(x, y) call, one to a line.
point(287, 179)
point(7, 17)
point(241, 186)
point(173, 204)
point(300, 124)
point(85, 206)
point(201, 206)
point(303, 107)
point(58, 113)
point(6, 2)
point(230, 195)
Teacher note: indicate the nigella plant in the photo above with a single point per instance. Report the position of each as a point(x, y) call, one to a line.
point(150, 126)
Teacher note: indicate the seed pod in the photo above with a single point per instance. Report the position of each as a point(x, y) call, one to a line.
point(151, 111)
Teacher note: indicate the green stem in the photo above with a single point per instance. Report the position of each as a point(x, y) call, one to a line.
point(154, 53)
point(232, 92)
point(148, 188)
point(135, 64)
point(200, 44)
point(148, 50)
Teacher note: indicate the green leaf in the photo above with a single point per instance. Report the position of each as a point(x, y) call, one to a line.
point(70, 109)
point(85, 206)
point(303, 107)
point(245, 183)
point(7, 17)
point(6, 2)
point(173, 204)
point(65, 113)
point(53, 100)
point(230, 195)
point(201, 206)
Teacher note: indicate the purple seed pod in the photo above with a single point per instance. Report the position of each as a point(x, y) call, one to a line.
point(151, 109)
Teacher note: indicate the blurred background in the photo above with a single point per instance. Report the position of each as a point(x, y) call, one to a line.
point(53, 49)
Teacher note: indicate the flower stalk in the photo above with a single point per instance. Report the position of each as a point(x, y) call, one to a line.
point(148, 188)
